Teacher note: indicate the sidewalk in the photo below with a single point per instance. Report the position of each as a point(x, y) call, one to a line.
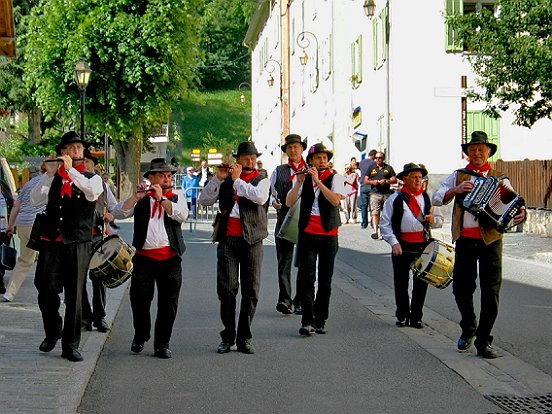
point(35, 382)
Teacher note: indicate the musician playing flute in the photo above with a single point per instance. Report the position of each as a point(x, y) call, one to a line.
point(478, 248)
point(321, 192)
point(405, 224)
point(66, 238)
point(243, 200)
point(158, 217)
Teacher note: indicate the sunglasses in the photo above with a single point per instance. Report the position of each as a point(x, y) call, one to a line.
point(379, 158)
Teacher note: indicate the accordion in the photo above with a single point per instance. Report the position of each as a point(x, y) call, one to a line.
point(495, 200)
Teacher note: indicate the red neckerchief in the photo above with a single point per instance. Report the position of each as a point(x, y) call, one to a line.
point(157, 207)
point(246, 176)
point(299, 167)
point(66, 187)
point(412, 202)
point(479, 170)
point(322, 175)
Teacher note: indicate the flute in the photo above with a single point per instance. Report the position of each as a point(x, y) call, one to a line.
point(147, 190)
point(307, 171)
point(60, 160)
point(230, 167)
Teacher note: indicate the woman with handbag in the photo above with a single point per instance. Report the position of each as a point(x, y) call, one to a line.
point(6, 204)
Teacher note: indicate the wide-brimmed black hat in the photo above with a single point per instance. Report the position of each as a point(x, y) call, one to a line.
point(408, 168)
point(316, 148)
point(159, 165)
point(88, 154)
point(68, 138)
point(479, 137)
point(292, 139)
point(247, 148)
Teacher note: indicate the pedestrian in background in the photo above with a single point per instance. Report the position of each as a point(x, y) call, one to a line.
point(189, 184)
point(6, 204)
point(364, 166)
point(351, 182)
point(380, 177)
point(21, 222)
point(405, 222)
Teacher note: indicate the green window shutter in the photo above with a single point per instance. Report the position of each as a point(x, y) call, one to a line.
point(358, 67)
point(452, 8)
point(385, 34)
point(479, 121)
point(375, 45)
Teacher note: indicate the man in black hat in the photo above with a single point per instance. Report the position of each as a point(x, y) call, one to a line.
point(282, 179)
point(158, 216)
point(321, 192)
point(478, 246)
point(66, 239)
point(405, 222)
point(94, 316)
point(243, 200)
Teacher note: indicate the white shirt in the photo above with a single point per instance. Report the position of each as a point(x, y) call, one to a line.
point(91, 187)
point(338, 186)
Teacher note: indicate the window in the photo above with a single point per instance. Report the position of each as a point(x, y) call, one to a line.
point(456, 7)
point(356, 62)
point(380, 38)
point(480, 121)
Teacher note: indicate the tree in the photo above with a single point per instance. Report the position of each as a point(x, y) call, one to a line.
point(512, 54)
point(222, 28)
point(143, 54)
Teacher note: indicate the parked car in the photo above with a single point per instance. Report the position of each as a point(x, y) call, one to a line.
point(6, 174)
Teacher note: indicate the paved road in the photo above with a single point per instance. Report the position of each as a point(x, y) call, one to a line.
point(364, 363)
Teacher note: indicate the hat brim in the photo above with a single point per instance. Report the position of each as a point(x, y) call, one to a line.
point(493, 147)
point(156, 170)
point(328, 152)
point(59, 147)
point(406, 172)
point(258, 154)
point(303, 144)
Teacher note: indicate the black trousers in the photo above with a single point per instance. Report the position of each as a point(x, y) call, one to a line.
point(313, 247)
point(96, 312)
point(469, 254)
point(284, 254)
point(238, 261)
point(167, 275)
point(406, 308)
point(62, 268)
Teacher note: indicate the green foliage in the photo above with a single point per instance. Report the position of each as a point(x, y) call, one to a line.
point(512, 53)
point(212, 120)
point(222, 28)
point(11, 138)
point(142, 54)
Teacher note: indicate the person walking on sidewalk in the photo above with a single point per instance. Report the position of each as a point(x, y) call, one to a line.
point(66, 241)
point(158, 217)
point(21, 221)
point(6, 204)
point(405, 222)
point(321, 192)
point(94, 316)
point(282, 179)
point(243, 200)
point(350, 202)
point(478, 248)
point(365, 166)
point(380, 178)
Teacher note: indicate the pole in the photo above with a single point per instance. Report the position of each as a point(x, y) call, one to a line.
point(82, 131)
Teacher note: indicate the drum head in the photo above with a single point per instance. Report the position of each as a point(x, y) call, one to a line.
point(106, 249)
point(428, 255)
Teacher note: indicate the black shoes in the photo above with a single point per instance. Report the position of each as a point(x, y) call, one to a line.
point(319, 328)
point(163, 353)
point(283, 308)
point(224, 348)
point(464, 344)
point(137, 346)
point(401, 323)
point(416, 324)
point(297, 309)
point(306, 330)
point(86, 324)
point(72, 355)
point(101, 325)
point(48, 344)
point(487, 352)
point(246, 347)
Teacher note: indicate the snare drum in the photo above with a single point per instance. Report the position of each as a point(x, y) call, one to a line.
point(436, 264)
point(111, 261)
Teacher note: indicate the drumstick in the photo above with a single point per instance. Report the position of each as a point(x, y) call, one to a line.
point(408, 251)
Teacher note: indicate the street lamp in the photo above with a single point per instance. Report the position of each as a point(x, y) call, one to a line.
point(270, 66)
point(82, 76)
point(369, 8)
point(304, 42)
point(242, 96)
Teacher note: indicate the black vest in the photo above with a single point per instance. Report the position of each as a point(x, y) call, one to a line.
point(398, 211)
point(329, 214)
point(71, 217)
point(253, 216)
point(283, 186)
point(142, 214)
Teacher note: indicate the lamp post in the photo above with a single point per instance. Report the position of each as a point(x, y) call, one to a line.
point(303, 41)
point(242, 96)
point(369, 8)
point(82, 76)
point(270, 67)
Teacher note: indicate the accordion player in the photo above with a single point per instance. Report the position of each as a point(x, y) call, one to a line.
point(494, 199)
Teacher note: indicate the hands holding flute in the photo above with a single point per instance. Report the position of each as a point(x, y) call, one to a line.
point(53, 162)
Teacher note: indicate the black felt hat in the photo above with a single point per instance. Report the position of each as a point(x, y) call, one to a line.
point(159, 165)
point(68, 138)
point(408, 168)
point(292, 139)
point(246, 148)
point(479, 137)
point(316, 148)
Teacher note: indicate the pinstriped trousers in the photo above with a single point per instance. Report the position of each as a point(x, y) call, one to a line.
point(238, 261)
